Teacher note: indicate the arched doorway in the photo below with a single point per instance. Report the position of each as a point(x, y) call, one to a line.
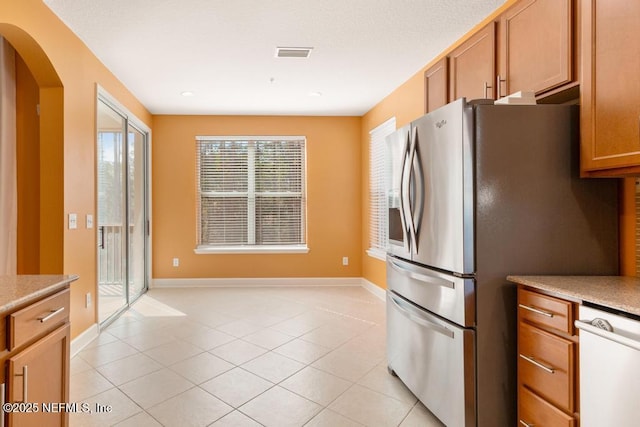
point(40, 168)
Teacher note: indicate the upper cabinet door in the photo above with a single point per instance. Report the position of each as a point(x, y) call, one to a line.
point(536, 52)
point(610, 87)
point(472, 66)
point(436, 85)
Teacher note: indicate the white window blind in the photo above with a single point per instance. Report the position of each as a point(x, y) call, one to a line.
point(378, 183)
point(251, 192)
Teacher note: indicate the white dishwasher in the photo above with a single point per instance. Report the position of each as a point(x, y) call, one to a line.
point(609, 368)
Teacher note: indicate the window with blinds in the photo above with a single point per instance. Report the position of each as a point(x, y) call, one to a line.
point(251, 194)
point(378, 183)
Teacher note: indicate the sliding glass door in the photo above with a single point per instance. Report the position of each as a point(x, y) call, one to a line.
point(137, 212)
point(122, 211)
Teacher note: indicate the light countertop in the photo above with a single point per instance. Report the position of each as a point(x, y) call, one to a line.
point(617, 292)
point(21, 289)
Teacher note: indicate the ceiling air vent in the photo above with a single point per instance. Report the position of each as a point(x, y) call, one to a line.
point(293, 52)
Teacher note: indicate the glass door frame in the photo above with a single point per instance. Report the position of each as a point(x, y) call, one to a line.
point(131, 122)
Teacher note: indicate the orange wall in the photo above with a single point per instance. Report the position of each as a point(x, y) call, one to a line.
point(333, 198)
point(67, 73)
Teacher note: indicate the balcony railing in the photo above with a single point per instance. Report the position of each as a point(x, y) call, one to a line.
point(111, 256)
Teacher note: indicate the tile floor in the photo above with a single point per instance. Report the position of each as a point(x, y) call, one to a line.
point(312, 356)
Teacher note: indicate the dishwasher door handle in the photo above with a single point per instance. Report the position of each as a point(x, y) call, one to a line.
point(611, 336)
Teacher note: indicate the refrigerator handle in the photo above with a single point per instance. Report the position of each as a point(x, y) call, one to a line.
point(405, 207)
point(429, 280)
point(419, 318)
point(419, 183)
point(411, 194)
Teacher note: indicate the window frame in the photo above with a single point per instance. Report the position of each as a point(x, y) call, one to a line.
point(252, 195)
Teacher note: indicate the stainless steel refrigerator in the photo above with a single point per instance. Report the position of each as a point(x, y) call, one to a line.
point(478, 192)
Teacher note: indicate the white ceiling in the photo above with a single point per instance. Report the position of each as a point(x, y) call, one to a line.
point(223, 50)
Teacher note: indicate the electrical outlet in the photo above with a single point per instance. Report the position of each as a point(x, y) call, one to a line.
point(176, 262)
point(345, 260)
point(87, 300)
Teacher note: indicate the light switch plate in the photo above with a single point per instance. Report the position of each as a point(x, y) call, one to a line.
point(89, 221)
point(73, 221)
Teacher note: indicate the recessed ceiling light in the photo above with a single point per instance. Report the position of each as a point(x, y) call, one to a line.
point(187, 93)
point(315, 93)
point(293, 52)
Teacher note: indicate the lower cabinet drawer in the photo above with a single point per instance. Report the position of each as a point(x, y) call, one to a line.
point(38, 318)
point(546, 365)
point(545, 310)
point(535, 411)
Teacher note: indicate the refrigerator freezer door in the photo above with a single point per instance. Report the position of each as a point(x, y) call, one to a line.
point(448, 296)
point(443, 209)
point(434, 358)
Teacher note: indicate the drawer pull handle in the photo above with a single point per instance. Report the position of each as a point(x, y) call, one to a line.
point(43, 319)
point(536, 310)
point(538, 364)
point(486, 90)
point(25, 381)
point(526, 424)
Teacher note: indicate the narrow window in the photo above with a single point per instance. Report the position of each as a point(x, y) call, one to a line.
point(378, 183)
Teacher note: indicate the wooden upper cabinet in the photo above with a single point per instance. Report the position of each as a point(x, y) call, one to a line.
point(436, 85)
point(532, 44)
point(610, 87)
point(536, 46)
point(472, 66)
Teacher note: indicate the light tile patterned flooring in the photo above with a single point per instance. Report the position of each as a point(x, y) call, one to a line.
point(288, 356)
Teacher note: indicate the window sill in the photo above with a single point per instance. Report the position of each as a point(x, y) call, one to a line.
point(204, 250)
point(377, 253)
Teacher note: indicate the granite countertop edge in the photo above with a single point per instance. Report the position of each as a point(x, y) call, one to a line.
point(22, 289)
point(617, 292)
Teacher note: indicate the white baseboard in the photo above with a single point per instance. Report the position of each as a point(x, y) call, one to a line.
point(374, 289)
point(82, 340)
point(277, 282)
point(256, 282)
